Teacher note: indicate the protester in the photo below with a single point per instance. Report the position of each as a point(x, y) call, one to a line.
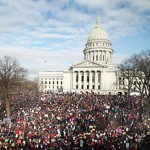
point(71, 121)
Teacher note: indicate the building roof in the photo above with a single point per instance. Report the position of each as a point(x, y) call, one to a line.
point(98, 33)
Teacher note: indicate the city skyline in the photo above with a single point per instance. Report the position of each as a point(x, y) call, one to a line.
point(51, 35)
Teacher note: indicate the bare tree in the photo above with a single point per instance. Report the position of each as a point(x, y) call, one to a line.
point(36, 83)
point(30, 85)
point(11, 75)
point(141, 63)
point(136, 69)
point(127, 74)
point(140, 80)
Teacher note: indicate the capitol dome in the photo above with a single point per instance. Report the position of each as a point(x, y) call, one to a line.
point(98, 47)
point(98, 33)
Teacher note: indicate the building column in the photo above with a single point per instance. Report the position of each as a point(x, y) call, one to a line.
point(102, 55)
point(92, 56)
point(98, 56)
point(106, 57)
point(79, 80)
point(99, 78)
point(74, 78)
point(96, 80)
point(87, 55)
point(84, 82)
point(87, 79)
point(90, 80)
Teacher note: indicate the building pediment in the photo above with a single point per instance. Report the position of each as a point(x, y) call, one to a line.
point(87, 63)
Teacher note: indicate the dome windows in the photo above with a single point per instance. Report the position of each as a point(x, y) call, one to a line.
point(95, 44)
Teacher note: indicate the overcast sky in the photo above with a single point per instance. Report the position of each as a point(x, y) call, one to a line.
point(50, 35)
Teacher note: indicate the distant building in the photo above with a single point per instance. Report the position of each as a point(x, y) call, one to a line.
point(51, 81)
point(96, 73)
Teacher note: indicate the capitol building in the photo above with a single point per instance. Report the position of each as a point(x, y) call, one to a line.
point(96, 73)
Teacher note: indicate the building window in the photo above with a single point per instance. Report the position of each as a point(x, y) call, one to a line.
point(57, 79)
point(93, 77)
point(41, 82)
point(119, 80)
point(49, 82)
point(81, 86)
point(87, 77)
point(123, 81)
point(49, 78)
point(45, 86)
point(100, 57)
point(96, 57)
point(103, 58)
point(45, 78)
point(61, 82)
point(93, 58)
point(99, 87)
point(82, 77)
point(76, 77)
point(99, 77)
point(93, 87)
point(87, 86)
point(57, 82)
point(53, 82)
point(45, 82)
point(53, 78)
point(76, 86)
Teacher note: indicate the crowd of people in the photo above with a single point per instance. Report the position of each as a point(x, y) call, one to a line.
point(75, 121)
